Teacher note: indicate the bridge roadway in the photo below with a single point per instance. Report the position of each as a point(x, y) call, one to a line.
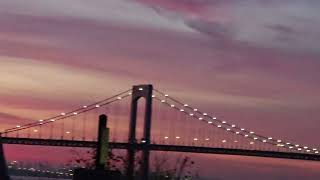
point(158, 147)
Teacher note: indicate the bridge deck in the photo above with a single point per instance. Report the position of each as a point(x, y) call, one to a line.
point(157, 147)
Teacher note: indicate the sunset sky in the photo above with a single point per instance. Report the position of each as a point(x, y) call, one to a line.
point(254, 62)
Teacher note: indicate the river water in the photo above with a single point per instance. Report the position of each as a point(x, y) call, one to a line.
point(34, 178)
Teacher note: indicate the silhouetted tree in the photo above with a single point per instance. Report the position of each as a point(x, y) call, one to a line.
point(182, 168)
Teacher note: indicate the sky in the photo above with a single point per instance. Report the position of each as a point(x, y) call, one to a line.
point(254, 62)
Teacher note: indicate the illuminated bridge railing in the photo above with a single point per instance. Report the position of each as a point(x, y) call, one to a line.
point(161, 147)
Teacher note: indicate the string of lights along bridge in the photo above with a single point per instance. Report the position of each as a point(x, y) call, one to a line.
point(174, 123)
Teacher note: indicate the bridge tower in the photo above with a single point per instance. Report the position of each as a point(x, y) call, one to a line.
point(138, 92)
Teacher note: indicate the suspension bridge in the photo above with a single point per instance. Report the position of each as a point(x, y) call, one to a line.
point(158, 122)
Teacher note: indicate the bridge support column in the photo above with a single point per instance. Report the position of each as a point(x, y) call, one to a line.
point(140, 91)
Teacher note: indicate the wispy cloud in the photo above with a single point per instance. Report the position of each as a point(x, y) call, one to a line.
point(111, 11)
point(250, 21)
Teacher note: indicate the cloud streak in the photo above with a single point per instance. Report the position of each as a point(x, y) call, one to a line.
point(250, 21)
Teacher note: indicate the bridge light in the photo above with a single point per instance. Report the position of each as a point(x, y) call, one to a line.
point(140, 89)
point(68, 132)
point(97, 106)
point(255, 138)
point(224, 141)
point(290, 147)
point(315, 149)
point(166, 95)
point(305, 147)
point(41, 120)
point(235, 141)
point(228, 129)
point(264, 141)
point(195, 139)
point(279, 141)
point(52, 120)
point(185, 105)
point(63, 114)
point(18, 126)
point(299, 149)
point(317, 152)
point(237, 132)
point(270, 138)
point(308, 150)
point(246, 135)
point(210, 122)
point(75, 113)
point(195, 109)
point(172, 105)
point(207, 139)
point(214, 118)
point(200, 118)
point(191, 114)
point(219, 126)
point(251, 132)
point(119, 98)
point(35, 130)
point(233, 125)
point(182, 110)
point(166, 137)
point(224, 122)
point(205, 114)
point(163, 101)
point(242, 129)
point(297, 145)
point(84, 106)
point(178, 137)
point(288, 143)
point(130, 93)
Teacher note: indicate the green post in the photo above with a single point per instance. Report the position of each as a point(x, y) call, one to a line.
point(103, 143)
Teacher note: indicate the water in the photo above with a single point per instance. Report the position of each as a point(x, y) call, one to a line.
point(34, 178)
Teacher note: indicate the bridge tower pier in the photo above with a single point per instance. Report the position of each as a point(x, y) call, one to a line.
point(140, 91)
